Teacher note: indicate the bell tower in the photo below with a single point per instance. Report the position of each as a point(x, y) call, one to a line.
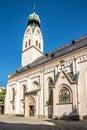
point(32, 41)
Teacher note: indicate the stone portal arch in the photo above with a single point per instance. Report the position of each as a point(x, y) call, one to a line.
point(31, 100)
point(30, 106)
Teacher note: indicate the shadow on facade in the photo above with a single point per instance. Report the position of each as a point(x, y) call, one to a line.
point(1, 109)
point(21, 126)
point(62, 125)
point(72, 115)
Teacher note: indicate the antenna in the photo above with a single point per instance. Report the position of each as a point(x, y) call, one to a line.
point(34, 8)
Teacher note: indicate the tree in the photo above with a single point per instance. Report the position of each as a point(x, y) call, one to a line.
point(2, 97)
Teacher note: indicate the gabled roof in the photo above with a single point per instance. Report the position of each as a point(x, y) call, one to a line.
point(72, 46)
point(72, 78)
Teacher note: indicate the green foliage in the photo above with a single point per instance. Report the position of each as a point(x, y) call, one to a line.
point(2, 97)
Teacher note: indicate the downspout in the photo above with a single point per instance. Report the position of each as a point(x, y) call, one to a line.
point(43, 92)
point(76, 86)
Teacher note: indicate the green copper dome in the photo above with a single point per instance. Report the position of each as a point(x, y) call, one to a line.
point(34, 18)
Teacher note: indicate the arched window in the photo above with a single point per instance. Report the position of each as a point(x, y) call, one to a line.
point(29, 42)
point(13, 95)
point(36, 43)
point(31, 100)
point(25, 44)
point(23, 92)
point(64, 95)
point(50, 87)
point(39, 46)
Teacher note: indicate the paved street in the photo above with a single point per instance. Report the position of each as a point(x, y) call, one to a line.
point(21, 123)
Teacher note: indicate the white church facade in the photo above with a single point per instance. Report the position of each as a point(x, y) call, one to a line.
point(48, 85)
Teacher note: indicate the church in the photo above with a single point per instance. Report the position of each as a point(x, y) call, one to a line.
point(48, 85)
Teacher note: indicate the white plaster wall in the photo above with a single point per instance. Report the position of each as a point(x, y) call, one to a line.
point(37, 104)
point(66, 107)
point(63, 109)
point(7, 102)
point(82, 88)
point(30, 55)
point(8, 106)
point(40, 105)
point(17, 99)
point(86, 88)
point(41, 94)
point(28, 84)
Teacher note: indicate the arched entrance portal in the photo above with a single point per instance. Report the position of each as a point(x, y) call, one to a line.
point(30, 106)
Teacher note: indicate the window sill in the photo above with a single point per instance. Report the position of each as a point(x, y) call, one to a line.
point(64, 103)
point(12, 101)
point(22, 100)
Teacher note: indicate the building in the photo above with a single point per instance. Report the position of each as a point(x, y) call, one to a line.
point(48, 85)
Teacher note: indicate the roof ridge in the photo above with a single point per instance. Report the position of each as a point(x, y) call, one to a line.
point(67, 44)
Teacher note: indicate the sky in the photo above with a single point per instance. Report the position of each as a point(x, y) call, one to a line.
point(61, 22)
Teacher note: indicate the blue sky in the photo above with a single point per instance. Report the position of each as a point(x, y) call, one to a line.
point(61, 22)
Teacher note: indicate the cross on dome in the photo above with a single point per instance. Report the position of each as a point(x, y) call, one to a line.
point(34, 17)
point(34, 8)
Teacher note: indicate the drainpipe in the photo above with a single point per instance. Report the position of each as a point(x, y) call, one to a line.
point(75, 72)
point(43, 91)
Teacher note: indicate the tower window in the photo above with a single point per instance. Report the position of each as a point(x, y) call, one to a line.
point(36, 43)
point(29, 42)
point(38, 31)
point(25, 44)
point(28, 29)
point(39, 46)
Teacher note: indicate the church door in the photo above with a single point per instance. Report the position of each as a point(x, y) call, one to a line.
point(30, 106)
point(31, 110)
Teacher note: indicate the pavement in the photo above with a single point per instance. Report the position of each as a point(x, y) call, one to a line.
point(22, 123)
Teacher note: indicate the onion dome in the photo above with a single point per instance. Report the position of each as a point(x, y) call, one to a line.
point(34, 19)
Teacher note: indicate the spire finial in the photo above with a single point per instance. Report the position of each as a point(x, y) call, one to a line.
point(34, 8)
